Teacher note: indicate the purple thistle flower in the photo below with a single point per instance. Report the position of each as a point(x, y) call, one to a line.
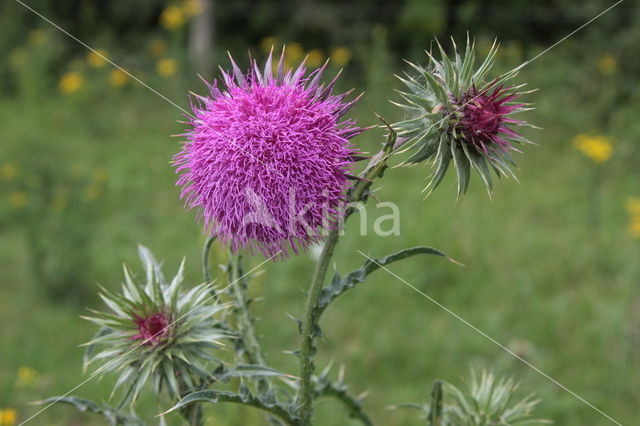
point(267, 158)
point(485, 115)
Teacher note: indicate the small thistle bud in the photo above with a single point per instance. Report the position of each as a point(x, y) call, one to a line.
point(156, 333)
point(456, 113)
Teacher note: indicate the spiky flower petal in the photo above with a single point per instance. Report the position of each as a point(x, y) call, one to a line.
point(267, 158)
point(454, 113)
point(156, 333)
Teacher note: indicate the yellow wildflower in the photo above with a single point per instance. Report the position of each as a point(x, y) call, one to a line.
point(315, 57)
point(70, 82)
point(633, 206)
point(340, 56)
point(293, 53)
point(118, 78)
point(634, 227)
point(597, 147)
point(100, 174)
point(172, 18)
point(8, 171)
point(268, 43)
point(157, 47)
point(18, 200)
point(8, 417)
point(192, 7)
point(607, 64)
point(92, 192)
point(37, 37)
point(97, 58)
point(166, 67)
point(26, 376)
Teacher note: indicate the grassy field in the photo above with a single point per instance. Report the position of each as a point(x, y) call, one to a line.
point(551, 269)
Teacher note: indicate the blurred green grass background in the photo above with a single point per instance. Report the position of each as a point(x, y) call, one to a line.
point(552, 265)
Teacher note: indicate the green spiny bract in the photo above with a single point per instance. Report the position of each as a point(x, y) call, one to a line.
point(488, 401)
point(157, 333)
point(454, 112)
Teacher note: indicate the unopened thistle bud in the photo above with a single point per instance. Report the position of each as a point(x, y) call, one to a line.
point(156, 333)
point(454, 112)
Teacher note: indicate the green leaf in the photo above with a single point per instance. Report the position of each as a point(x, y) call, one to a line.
point(339, 285)
point(113, 416)
point(89, 350)
point(211, 396)
point(251, 370)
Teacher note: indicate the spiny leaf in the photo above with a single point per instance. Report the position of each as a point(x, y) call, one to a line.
point(339, 285)
point(84, 405)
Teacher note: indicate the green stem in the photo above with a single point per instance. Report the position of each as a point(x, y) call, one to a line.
point(310, 329)
point(352, 403)
point(253, 352)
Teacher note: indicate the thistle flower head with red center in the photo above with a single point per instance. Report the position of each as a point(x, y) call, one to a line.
point(454, 114)
point(485, 116)
point(267, 158)
point(156, 333)
point(152, 329)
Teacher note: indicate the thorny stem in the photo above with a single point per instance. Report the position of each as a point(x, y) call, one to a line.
point(310, 329)
point(252, 350)
point(352, 403)
point(251, 346)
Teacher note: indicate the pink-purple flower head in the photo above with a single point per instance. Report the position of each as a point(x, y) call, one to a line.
point(267, 158)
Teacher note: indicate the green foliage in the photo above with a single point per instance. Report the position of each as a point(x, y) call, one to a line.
point(543, 296)
point(174, 351)
point(486, 401)
point(489, 401)
point(50, 207)
point(113, 416)
point(341, 284)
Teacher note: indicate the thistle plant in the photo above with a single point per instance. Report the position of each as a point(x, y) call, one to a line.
point(485, 401)
point(269, 165)
point(457, 112)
